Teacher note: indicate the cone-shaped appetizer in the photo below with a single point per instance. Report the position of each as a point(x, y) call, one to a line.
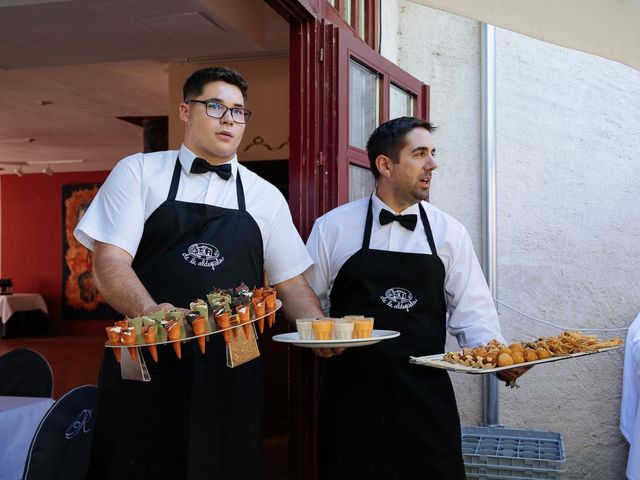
point(129, 338)
point(200, 328)
point(149, 333)
point(244, 315)
point(270, 301)
point(222, 320)
point(259, 308)
point(233, 320)
point(115, 338)
point(173, 332)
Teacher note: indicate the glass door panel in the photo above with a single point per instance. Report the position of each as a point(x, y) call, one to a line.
point(400, 103)
point(364, 104)
point(361, 182)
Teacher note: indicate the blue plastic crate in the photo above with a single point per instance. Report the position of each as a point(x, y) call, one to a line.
point(503, 453)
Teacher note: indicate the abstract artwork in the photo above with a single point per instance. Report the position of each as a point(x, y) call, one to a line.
point(80, 299)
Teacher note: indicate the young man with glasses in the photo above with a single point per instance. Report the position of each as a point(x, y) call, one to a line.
point(166, 228)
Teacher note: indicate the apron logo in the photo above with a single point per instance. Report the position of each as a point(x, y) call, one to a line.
point(203, 255)
point(399, 298)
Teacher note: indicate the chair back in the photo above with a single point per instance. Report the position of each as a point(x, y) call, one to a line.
point(25, 373)
point(60, 447)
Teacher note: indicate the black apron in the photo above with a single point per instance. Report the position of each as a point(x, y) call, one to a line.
point(380, 416)
point(196, 418)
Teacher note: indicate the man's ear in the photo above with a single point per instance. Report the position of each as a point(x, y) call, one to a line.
point(183, 111)
point(384, 165)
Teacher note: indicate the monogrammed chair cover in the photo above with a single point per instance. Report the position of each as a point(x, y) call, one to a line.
point(60, 447)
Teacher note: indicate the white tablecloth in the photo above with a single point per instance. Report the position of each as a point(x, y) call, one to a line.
point(19, 420)
point(20, 302)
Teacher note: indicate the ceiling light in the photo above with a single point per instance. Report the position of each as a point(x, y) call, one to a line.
point(17, 140)
point(51, 162)
point(18, 171)
point(47, 170)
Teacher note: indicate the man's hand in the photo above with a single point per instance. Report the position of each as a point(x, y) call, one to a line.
point(328, 352)
point(511, 375)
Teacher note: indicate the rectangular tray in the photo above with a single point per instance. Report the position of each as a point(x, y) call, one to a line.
point(436, 361)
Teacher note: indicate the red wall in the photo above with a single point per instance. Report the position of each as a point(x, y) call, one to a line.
point(31, 240)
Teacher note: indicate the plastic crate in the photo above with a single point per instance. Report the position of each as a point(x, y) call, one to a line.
point(502, 453)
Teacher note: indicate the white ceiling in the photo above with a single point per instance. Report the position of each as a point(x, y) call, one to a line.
point(69, 68)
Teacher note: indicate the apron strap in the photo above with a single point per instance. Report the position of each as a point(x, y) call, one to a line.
point(240, 192)
point(366, 239)
point(427, 229)
point(175, 181)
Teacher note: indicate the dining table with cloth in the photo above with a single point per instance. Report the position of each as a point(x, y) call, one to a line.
point(22, 314)
point(19, 421)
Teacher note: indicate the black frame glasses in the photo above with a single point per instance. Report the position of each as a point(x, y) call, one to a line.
point(239, 115)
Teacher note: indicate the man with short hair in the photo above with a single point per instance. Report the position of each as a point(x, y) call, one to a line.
point(395, 257)
point(166, 228)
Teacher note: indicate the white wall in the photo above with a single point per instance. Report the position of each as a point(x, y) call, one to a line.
point(568, 211)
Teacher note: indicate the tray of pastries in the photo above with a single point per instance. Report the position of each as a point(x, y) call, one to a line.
point(496, 356)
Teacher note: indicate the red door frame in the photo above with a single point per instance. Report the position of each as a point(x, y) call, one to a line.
point(318, 170)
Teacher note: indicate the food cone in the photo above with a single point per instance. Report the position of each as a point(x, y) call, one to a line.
point(270, 301)
point(115, 338)
point(222, 320)
point(259, 308)
point(149, 333)
point(244, 315)
point(129, 338)
point(173, 332)
point(258, 292)
point(200, 328)
point(123, 324)
point(233, 320)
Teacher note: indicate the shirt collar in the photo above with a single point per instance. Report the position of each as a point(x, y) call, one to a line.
point(187, 157)
point(377, 205)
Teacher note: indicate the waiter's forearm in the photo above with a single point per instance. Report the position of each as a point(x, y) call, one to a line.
point(118, 283)
point(298, 300)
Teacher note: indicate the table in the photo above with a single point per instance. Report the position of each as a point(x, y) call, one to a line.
point(19, 420)
point(22, 314)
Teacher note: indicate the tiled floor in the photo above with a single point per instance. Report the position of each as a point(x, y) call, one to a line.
point(75, 360)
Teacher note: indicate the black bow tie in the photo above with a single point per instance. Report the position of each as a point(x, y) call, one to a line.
point(200, 165)
point(407, 221)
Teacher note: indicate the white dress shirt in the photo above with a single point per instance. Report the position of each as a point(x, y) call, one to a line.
point(139, 184)
point(336, 236)
point(630, 407)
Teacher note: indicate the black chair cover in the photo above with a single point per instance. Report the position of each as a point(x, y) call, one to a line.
point(25, 373)
point(60, 447)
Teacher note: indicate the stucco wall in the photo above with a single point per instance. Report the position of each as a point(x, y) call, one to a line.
point(568, 211)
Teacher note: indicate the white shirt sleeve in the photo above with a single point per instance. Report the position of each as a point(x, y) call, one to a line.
point(473, 318)
point(285, 253)
point(318, 276)
point(116, 215)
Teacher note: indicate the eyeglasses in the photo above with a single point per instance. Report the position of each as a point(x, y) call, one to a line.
point(218, 110)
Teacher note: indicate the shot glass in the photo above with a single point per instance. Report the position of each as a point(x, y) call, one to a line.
point(362, 327)
point(343, 329)
point(322, 328)
point(305, 329)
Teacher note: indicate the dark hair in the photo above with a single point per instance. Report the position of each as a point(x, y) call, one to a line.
point(389, 138)
point(194, 85)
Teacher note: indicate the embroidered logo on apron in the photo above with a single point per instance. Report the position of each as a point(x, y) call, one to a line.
point(203, 255)
point(399, 298)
